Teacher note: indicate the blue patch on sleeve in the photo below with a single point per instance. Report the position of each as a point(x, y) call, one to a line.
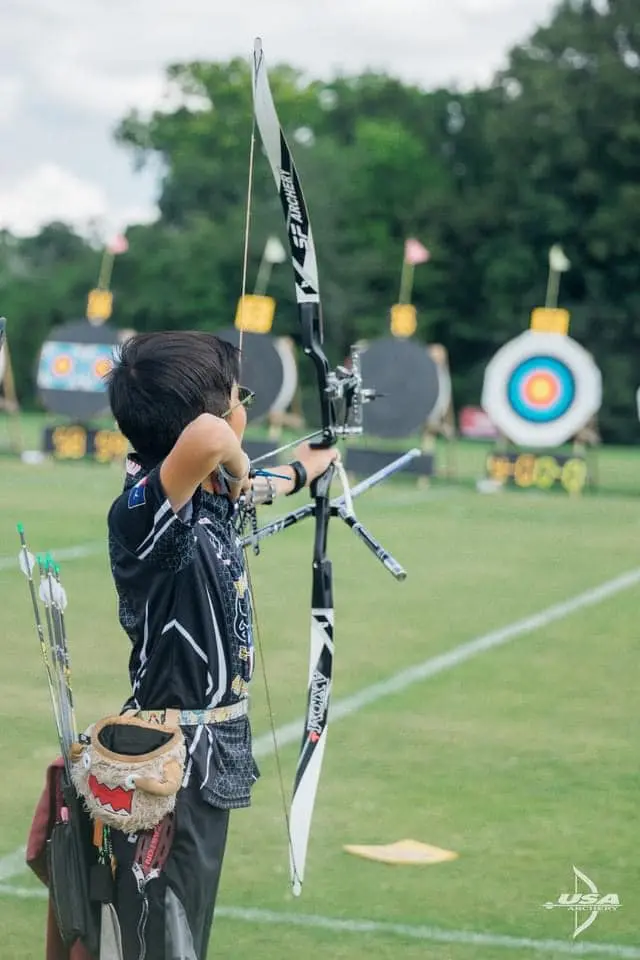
point(138, 494)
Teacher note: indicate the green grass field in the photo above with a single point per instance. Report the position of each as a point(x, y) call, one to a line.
point(522, 759)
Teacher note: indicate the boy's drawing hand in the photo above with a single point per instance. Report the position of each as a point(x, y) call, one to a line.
point(315, 462)
point(237, 489)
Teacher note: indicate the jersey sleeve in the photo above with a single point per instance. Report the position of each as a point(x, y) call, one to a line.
point(143, 522)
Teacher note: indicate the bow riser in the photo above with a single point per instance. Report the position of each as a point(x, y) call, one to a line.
point(311, 323)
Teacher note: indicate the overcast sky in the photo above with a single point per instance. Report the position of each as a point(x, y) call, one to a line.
point(70, 69)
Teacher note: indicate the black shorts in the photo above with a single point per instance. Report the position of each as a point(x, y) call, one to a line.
point(170, 916)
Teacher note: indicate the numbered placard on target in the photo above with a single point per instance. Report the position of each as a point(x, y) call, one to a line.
point(541, 389)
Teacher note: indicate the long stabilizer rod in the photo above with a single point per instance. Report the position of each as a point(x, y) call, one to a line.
point(301, 513)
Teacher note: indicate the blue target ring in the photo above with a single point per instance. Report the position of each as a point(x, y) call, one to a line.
point(541, 389)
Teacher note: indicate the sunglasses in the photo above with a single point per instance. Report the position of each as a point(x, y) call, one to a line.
point(245, 399)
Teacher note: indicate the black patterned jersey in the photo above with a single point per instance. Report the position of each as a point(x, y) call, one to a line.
point(184, 602)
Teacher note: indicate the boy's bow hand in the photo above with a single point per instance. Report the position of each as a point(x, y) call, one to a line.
point(315, 461)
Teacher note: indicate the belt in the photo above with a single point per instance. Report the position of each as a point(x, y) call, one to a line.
point(195, 718)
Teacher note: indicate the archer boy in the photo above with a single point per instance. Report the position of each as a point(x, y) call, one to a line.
point(185, 605)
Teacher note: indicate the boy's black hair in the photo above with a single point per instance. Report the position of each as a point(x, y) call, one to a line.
point(162, 381)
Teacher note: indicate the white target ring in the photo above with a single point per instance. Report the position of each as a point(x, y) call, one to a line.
point(541, 389)
point(285, 350)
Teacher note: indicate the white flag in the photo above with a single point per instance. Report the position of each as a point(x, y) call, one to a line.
point(558, 260)
point(274, 252)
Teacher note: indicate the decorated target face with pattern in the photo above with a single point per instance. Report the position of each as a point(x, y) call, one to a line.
point(540, 389)
point(74, 366)
point(71, 369)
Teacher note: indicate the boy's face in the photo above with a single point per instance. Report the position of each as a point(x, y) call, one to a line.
point(237, 416)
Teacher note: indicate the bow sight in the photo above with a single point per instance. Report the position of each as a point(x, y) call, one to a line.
point(342, 393)
point(345, 383)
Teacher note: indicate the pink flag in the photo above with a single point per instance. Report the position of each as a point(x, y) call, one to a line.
point(119, 244)
point(414, 252)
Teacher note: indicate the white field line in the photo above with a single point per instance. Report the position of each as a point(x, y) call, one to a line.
point(23, 893)
point(433, 934)
point(291, 732)
point(400, 930)
point(12, 864)
point(64, 553)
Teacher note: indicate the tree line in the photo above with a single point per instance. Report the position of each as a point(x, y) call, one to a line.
point(487, 179)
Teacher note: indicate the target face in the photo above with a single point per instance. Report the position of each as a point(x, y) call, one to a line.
point(72, 365)
point(408, 383)
point(261, 369)
point(541, 389)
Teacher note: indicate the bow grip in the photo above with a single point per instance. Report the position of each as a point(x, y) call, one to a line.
point(321, 486)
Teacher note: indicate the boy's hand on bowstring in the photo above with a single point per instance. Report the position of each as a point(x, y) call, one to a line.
point(236, 465)
point(237, 489)
point(315, 461)
point(232, 490)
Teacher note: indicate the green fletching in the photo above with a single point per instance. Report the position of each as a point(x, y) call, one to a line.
point(20, 528)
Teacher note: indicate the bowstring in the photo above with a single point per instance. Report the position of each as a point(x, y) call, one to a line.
point(247, 226)
point(267, 693)
point(254, 609)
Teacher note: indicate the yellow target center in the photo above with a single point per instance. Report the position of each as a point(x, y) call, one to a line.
point(103, 367)
point(541, 390)
point(62, 365)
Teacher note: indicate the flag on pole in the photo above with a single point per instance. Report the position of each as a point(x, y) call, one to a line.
point(415, 252)
point(558, 260)
point(119, 244)
point(274, 252)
